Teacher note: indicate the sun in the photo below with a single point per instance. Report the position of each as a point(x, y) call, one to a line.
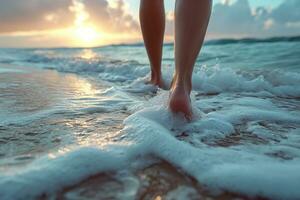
point(86, 34)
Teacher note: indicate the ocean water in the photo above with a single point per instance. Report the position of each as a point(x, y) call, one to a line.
point(70, 114)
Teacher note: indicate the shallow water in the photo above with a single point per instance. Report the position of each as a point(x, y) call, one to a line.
point(74, 118)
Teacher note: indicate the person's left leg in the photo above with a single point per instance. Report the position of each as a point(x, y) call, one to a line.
point(191, 20)
point(152, 19)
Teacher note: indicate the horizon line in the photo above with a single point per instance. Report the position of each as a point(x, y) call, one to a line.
point(225, 40)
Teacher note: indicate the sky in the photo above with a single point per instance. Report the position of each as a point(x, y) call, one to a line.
point(87, 23)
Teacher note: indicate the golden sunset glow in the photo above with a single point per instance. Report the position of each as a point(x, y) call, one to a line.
point(86, 34)
point(87, 54)
point(83, 28)
point(83, 23)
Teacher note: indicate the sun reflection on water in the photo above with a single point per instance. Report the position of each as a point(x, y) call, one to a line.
point(87, 54)
point(85, 88)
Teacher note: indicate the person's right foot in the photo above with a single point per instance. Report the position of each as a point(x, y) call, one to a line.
point(180, 101)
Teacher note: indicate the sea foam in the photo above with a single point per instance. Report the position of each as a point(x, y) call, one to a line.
point(244, 169)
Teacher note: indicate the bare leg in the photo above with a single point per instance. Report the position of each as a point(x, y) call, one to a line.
point(152, 18)
point(191, 20)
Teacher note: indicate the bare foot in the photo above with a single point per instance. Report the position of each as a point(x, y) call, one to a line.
point(158, 81)
point(180, 101)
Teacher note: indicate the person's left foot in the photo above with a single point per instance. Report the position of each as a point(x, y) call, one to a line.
point(180, 101)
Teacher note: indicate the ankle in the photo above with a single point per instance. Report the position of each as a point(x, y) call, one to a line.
point(182, 82)
point(155, 76)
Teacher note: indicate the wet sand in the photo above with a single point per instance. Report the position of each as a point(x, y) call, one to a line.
point(156, 182)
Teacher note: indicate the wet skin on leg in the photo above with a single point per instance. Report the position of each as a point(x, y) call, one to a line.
point(152, 19)
point(191, 20)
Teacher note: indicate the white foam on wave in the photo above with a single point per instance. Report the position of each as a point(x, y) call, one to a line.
point(222, 80)
point(239, 169)
point(244, 168)
point(47, 175)
point(219, 80)
point(249, 108)
point(226, 80)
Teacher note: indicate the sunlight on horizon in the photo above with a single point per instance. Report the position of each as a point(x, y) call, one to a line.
point(84, 30)
point(84, 33)
point(87, 35)
point(87, 54)
point(79, 23)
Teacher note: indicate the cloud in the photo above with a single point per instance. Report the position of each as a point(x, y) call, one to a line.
point(16, 15)
point(238, 20)
point(36, 15)
point(232, 18)
point(287, 12)
point(112, 18)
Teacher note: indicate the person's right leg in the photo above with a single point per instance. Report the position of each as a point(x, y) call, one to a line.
point(152, 19)
point(191, 20)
